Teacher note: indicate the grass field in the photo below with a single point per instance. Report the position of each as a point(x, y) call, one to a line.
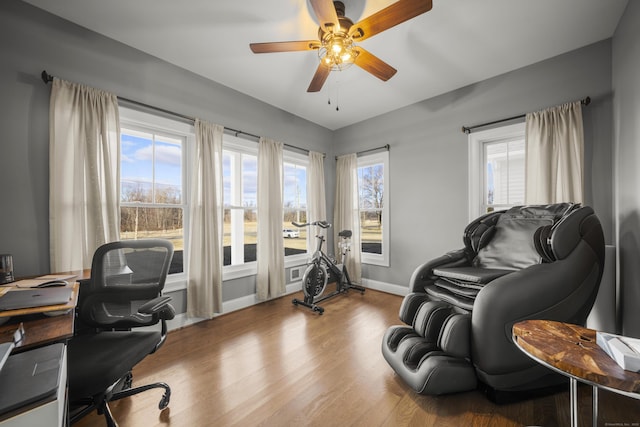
point(371, 233)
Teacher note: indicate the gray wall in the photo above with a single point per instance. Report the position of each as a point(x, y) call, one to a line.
point(32, 40)
point(626, 109)
point(429, 153)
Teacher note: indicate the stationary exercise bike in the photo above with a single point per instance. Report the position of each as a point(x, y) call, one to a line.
point(315, 277)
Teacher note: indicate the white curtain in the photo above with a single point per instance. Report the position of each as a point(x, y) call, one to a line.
point(346, 214)
point(316, 200)
point(204, 289)
point(84, 177)
point(270, 281)
point(554, 155)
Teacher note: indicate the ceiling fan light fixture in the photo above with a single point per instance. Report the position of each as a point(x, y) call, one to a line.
point(337, 51)
point(335, 46)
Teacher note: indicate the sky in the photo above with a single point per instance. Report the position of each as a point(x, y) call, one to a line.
point(295, 190)
point(142, 162)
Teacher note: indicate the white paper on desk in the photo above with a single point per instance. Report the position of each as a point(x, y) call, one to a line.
point(38, 281)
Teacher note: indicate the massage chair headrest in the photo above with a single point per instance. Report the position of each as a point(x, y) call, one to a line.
point(524, 235)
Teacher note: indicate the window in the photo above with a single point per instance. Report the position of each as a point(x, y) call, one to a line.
point(295, 204)
point(373, 184)
point(152, 185)
point(154, 191)
point(497, 167)
point(240, 184)
point(240, 197)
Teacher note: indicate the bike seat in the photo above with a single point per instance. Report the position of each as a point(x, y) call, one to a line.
point(345, 233)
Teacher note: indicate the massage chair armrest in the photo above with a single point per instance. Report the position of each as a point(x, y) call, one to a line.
point(423, 274)
point(563, 291)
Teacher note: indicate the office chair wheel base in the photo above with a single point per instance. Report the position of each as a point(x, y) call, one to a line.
point(164, 402)
point(128, 381)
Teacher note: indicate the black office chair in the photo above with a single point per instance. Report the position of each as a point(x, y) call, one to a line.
point(123, 293)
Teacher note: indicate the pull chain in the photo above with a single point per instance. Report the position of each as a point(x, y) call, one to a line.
point(337, 95)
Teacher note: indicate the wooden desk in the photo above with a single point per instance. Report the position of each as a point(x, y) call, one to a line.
point(572, 351)
point(40, 329)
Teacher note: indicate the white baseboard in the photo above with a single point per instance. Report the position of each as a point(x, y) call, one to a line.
point(385, 287)
point(182, 320)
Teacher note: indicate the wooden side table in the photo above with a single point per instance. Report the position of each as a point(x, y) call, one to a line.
point(572, 351)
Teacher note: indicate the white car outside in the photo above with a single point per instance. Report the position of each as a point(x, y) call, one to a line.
point(289, 233)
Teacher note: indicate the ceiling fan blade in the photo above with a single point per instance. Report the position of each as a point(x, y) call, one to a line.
point(390, 16)
point(373, 64)
point(284, 46)
point(326, 13)
point(322, 72)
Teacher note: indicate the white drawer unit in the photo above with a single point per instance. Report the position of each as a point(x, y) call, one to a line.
point(33, 388)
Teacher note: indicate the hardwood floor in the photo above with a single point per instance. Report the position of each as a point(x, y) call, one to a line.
point(275, 364)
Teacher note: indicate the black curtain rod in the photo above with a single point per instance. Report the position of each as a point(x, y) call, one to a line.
point(359, 153)
point(47, 78)
point(468, 129)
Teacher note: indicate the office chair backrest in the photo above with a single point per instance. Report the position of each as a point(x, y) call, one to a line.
point(124, 275)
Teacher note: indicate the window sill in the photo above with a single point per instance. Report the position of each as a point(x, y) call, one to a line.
point(231, 272)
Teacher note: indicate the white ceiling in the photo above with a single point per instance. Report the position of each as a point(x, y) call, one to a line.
point(457, 43)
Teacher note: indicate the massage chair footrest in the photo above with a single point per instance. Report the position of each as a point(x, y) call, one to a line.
point(423, 366)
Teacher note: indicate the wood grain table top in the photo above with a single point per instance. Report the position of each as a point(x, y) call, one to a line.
point(573, 350)
point(42, 325)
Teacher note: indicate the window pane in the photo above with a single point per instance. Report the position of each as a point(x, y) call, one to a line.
point(239, 180)
point(295, 239)
point(136, 167)
point(371, 189)
point(168, 170)
point(150, 173)
point(371, 186)
point(158, 223)
point(504, 173)
point(239, 247)
point(250, 234)
point(227, 160)
point(371, 231)
point(226, 236)
point(516, 172)
point(295, 208)
point(295, 186)
point(249, 180)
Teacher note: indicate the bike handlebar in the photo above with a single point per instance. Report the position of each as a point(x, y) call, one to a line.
point(321, 224)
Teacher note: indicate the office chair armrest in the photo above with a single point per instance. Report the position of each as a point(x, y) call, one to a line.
point(159, 306)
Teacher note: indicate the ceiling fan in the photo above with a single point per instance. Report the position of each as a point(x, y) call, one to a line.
point(337, 36)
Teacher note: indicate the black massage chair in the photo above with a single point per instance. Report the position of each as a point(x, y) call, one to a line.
point(529, 262)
